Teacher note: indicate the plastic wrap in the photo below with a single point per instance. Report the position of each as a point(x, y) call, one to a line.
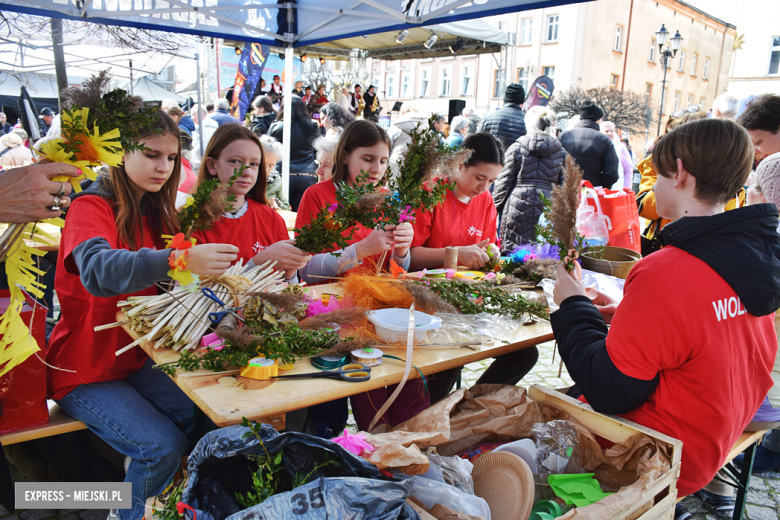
point(609, 285)
point(430, 493)
point(219, 467)
point(555, 445)
point(482, 324)
point(455, 471)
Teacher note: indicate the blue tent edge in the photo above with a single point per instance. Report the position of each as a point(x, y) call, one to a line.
point(276, 43)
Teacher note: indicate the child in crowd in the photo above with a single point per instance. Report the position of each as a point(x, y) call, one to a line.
point(702, 368)
point(466, 219)
point(111, 249)
point(257, 230)
point(364, 146)
point(274, 191)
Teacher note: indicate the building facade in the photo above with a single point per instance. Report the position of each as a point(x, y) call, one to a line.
point(755, 66)
point(593, 44)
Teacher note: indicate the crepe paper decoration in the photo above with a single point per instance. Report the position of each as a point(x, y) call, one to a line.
point(179, 271)
point(212, 341)
point(450, 274)
point(579, 490)
point(333, 207)
point(407, 214)
point(16, 341)
point(181, 506)
point(178, 241)
point(490, 276)
point(396, 270)
point(321, 307)
point(353, 443)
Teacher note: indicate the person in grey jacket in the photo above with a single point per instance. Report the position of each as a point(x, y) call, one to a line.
point(533, 164)
point(508, 124)
point(592, 150)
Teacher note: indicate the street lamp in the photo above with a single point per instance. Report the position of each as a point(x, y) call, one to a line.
point(666, 55)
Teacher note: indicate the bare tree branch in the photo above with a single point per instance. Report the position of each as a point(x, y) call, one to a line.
point(627, 110)
point(335, 75)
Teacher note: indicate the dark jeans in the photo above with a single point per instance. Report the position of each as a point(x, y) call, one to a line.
point(298, 184)
point(507, 369)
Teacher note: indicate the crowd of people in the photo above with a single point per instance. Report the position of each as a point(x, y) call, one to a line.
point(697, 372)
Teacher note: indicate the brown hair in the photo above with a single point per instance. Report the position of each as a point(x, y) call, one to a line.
point(717, 152)
point(224, 136)
point(357, 135)
point(674, 122)
point(161, 204)
point(762, 113)
point(176, 111)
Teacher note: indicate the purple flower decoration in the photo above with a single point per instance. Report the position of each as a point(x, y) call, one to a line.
point(333, 207)
point(525, 252)
point(406, 214)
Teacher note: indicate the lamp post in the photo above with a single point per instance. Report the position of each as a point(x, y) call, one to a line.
point(666, 55)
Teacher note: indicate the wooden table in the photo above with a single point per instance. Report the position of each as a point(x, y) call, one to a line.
point(289, 218)
point(226, 401)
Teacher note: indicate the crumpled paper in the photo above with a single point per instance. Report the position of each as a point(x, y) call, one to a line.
point(496, 413)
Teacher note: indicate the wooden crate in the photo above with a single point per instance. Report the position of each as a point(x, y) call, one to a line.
point(657, 502)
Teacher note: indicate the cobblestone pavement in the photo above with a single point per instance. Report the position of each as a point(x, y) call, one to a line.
point(763, 497)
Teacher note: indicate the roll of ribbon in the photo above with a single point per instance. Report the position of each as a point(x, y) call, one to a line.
point(329, 362)
point(368, 357)
point(260, 368)
point(545, 510)
point(450, 257)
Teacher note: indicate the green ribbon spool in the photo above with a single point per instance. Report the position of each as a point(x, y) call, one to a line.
point(329, 364)
point(545, 510)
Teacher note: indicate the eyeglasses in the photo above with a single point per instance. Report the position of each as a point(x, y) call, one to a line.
point(679, 113)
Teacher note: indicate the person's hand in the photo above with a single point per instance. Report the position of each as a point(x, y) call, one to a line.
point(474, 256)
point(288, 257)
point(27, 193)
point(274, 203)
point(374, 244)
point(568, 284)
point(403, 234)
point(210, 259)
point(606, 304)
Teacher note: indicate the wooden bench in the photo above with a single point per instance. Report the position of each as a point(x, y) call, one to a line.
point(747, 443)
point(59, 422)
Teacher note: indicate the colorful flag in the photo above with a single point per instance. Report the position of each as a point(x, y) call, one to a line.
point(250, 68)
point(540, 93)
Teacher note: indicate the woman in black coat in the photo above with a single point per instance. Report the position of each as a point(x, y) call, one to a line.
point(264, 114)
point(302, 154)
point(533, 164)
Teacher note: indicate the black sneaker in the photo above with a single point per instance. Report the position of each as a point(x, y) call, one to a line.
point(680, 513)
point(721, 504)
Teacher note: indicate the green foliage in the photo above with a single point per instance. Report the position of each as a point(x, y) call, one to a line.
point(170, 498)
point(208, 203)
point(116, 109)
point(473, 298)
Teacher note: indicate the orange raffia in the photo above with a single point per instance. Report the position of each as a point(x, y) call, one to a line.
point(396, 270)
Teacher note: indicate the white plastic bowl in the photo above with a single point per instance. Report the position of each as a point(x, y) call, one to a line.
point(525, 449)
point(392, 324)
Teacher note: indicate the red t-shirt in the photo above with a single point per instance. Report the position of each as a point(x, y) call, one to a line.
point(74, 344)
point(456, 223)
point(322, 195)
point(191, 178)
point(679, 318)
point(252, 232)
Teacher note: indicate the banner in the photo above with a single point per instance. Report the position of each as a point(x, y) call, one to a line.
point(250, 68)
point(227, 66)
point(539, 94)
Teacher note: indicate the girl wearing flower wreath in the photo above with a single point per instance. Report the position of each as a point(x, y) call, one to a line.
point(363, 147)
point(467, 220)
point(258, 231)
point(112, 249)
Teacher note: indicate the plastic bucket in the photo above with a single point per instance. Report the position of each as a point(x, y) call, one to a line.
point(392, 324)
point(611, 260)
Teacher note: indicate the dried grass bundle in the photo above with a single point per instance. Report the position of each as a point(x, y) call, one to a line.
point(283, 300)
point(565, 200)
point(371, 201)
point(427, 301)
point(445, 164)
point(344, 347)
point(241, 337)
point(90, 93)
point(342, 317)
point(539, 268)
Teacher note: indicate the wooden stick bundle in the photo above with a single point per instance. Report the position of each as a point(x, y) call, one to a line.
point(178, 319)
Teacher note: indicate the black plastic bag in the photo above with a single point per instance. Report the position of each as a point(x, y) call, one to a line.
point(355, 489)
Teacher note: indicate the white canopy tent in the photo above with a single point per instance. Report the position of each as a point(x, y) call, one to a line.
point(151, 91)
point(287, 24)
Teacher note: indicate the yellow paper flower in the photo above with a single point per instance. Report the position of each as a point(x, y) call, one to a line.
point(53, 151)
point(99, 148)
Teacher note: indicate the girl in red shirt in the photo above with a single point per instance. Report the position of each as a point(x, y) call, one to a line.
point(258, 231)
point(364, 146)
point(467, 220)
point(112, 249)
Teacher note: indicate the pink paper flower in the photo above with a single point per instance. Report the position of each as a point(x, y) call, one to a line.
point(406, 214)
point(490, 276)
point(353, 443)
point(450, 274)
point(333, 207)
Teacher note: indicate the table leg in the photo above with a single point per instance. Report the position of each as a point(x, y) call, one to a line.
point(741, 479)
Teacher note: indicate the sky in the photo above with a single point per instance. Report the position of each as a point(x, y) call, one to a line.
point(731, 11)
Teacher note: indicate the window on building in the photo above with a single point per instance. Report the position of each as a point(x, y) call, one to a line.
point(690, 100)
point(549, 72)
point(446, 81)
point(648, 91)
point(694, 59)
point(522, 78)
point(774, 57)
point(391, 86)
point(703, 104)
point(552, 28)
point(527, 32)
point(425, 82)
point(681, 64)
point(706, 73)
point(618, 46)
point(406, 83)
point(613, 80)
point(676, 102)
point(468, 80)
point(651, 56)
point(496, 83)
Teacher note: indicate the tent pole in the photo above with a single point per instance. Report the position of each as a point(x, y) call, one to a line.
point(131, 77)
point(200, 103)
point(287, 89)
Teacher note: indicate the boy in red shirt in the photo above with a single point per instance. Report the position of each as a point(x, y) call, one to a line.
point(701, 368)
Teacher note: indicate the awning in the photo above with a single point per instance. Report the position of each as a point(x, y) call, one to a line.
point(151, 91)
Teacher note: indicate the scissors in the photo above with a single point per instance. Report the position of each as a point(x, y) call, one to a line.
point(216, 317)
point(351, 373)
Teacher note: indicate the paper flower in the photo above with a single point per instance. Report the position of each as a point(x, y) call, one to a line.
point(353, 443)
point(525, 252)
point(177, 241)
point(396, 270)
point(450, 274)
point(333, 207)
point(406, 214)
point(179, 271)
point(490, 276)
